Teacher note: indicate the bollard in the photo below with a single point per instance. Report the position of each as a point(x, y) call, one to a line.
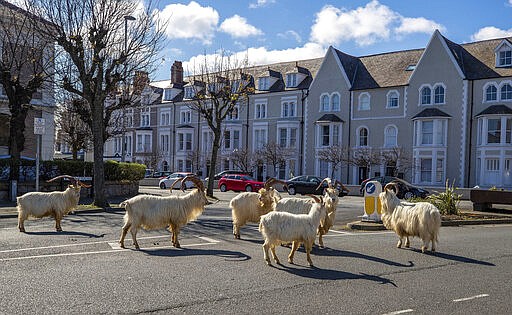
point(372, 206)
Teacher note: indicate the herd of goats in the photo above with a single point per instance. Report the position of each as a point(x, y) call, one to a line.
point(281, 220)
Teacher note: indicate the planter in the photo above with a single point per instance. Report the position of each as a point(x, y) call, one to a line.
point(484, 199)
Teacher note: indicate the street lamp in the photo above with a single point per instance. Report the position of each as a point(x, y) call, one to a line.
point(125, 92)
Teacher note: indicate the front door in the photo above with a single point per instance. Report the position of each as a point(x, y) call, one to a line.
point(363, 174)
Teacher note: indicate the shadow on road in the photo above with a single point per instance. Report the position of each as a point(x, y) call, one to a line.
point(344, 253)
point(226, 254)
point(67, 233)
point(456, 258)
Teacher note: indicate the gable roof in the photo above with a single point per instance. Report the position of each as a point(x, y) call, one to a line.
point(431, 112)
point(496, 110)
point(329, 118)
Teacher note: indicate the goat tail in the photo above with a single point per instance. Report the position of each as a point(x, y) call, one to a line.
point(123, 204)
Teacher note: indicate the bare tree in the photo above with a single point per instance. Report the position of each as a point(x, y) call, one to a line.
point(73, 130)
point(399, 158)
point(101, 51)
point(219, 87)
point(26, 63)
point(335, 155)
point(275, 155)
point(242, 160)
point(364, 157)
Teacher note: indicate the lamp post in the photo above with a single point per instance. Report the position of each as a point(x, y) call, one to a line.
point(125, 90)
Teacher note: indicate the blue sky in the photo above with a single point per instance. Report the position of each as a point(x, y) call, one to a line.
point(270, 31)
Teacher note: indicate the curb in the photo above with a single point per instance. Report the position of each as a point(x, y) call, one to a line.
point(369, 226)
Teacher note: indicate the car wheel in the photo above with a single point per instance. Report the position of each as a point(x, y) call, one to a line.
point(162, 185)
point(223, 188)
point(248, 188)
point(408, 195)
point(291, 191)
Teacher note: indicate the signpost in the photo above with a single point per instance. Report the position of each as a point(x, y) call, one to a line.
point(39, 129)
point(372, 206)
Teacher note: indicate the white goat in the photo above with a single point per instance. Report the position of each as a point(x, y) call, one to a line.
point(277, 227)
point(303, 206)
point(154, 212)
point(420, 219)
point(44, 204)
point(249, 206)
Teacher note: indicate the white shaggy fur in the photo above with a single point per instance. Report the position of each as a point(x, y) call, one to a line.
point(55, 203)
point(249, 206)
point(421, 219)
point(155, 212)
point(277, 227)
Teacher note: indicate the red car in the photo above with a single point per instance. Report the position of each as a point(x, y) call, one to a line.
point(239, 182)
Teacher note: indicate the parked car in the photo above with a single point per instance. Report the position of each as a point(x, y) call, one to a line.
point(161, 174)
point(227, 172)
point(148, 172)
point(239, 182)
point(405, 189)
point(169, 180)
point(307, 184)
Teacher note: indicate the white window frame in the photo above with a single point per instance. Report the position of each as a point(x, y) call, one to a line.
point(185, 116)
point(502, 85)
point(189, 92)
point(145, 117)
point(333, 138)
point(288, 108)
point(420, 101)
point(487, 86)
point(439, 132)
point(259, 131)
point(362, 105)
point(437, 85)
point(333, 107)
point(181, 144)
point(143, 146)
point(358, 137)
point(291, 80)
point(389, 97)
point(324, 105)
point(387, 137)
point(263, 83)
point(260, 109)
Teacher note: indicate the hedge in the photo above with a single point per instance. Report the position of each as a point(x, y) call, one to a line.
point(114, 171)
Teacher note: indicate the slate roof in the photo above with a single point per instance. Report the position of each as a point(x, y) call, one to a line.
point(431, 112)
point(496, 110)
point(329, 118)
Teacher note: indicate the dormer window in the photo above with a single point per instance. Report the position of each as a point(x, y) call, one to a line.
point(263, 83)
point(189, 92)
point(291, 80)
point(505, 58)
point(167, 94)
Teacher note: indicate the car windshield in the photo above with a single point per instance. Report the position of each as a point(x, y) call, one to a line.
point(246, 177)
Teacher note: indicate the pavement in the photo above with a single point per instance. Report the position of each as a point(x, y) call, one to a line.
point(502, 215)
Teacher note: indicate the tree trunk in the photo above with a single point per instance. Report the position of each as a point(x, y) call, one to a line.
point(213, 162)
point(16, 138)
point(100, 198)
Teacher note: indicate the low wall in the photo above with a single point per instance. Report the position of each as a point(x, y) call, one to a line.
point(112, 189)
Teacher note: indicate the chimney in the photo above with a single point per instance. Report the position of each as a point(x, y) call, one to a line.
point(140, 80)
point(177, 72)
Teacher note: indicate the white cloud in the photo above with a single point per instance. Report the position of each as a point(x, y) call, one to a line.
point(418, 25)
point(237, 27)
point(291, 34)
point(260, 3)
point(490, 32)
point(261, 56)
point(190, 21)
point(365, 25)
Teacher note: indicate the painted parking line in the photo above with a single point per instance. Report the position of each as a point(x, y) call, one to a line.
point(400, 312)
point(471, 298)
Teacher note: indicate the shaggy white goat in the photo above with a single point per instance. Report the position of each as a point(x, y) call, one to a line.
point(303, 206)
point(420, 219)
point(44, 204)
point(277, 227)
point(154, 212)
point(249, 206)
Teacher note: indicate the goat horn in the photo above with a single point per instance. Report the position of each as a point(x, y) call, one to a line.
point(63, 176)
point(337, 182)
point(82, 184)
point(195, 180)
point(269, 183)
point(173, 184)
point(391, 186)
point(316, 198)
point(327, 179)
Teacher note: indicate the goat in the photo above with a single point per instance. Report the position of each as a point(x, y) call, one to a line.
point(303, 206)
point(420, 219)
point(277, 227)
point(55, 203)
point(154, 212)
point(249, 206)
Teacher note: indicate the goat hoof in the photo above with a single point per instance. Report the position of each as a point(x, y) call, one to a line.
point(22, 230)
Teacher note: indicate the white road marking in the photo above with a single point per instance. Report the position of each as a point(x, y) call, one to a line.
point(210, 240)
point(400, 312)
point(471, 298)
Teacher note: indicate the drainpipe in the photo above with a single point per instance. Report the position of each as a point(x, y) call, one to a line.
point(470, 153)
point(301, 155)
point(173, 128)
point(349, 135)
point(247, 126)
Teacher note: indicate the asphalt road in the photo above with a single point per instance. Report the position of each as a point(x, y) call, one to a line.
point(82, 270)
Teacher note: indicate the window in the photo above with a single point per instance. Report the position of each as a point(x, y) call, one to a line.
point(164, 143)
point(427, 132)
point(167, 94)
point(491, 93)
point(282, 137)
point(506, 92)
point(390, 136)
point(287, 137)
point(165, 119)
point(189, 92)
point(508, 131)
point(207, 141)
point(263, 83)
point(392, 99)
point(426, 170)
point(145, 117)
point(235, 85)
point(288, 109)
point(494, 130)
point(335, 135)
point(505, 58)
point(293, 138)
point(364, 101)
point(227, 139)
point(324, 103)
point(143, 143)
point(493, 165)
point(260, 138)
point(184, 141)
point(261, 111)
point(335, 102)
point(325, 136)
point(324, 169)
point(291, 80)
point(440, 171)
point(426, 96)
point(363, 137)
point(439, 94)
point(236, 139)
point(233, 115)
point(185, 116)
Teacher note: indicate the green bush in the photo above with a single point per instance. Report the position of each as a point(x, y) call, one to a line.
point(448, 201)
point(116, 171)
